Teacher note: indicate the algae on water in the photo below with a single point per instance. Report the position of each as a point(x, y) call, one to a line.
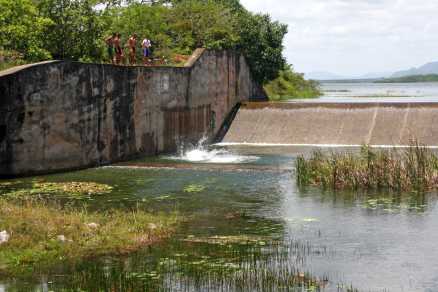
point(194, 188)
point(73, 189)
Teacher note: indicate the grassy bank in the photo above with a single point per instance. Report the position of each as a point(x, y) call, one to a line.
point(42, 234)
point(291, 85)
point(411, 169)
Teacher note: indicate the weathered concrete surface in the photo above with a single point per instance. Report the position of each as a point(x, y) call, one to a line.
point(66, 115)
point(335, 124)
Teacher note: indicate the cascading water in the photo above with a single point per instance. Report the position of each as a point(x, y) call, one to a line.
point(200, 153)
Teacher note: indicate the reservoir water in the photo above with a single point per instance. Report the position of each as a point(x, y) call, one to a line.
point(249, 227)
point(372, 92)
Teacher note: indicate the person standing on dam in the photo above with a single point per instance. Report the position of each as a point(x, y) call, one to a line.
point(132, 43)
point(146, 45)
point(118, 48)
point(110, 47)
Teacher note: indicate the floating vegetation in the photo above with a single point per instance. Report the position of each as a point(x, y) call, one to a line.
point(310, 219)
point(412, 169)
point(383, 203)
point(394, 204)
point(73, 189)
point(89, 188)
point(194, 188)
point(224, 240)
point(243, 264)
point(302, 220)
point(164, 198)
point(233, 267)
point(206, 263)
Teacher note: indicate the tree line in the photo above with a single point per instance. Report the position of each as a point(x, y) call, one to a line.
point(75, 29)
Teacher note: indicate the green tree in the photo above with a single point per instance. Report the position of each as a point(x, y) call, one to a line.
point(205, 24)
point(22, 29)
point(234, 5)
point(76, 31)
point(289, 85)
point(261, 40)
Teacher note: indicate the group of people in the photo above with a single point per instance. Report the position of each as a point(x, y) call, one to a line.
point(115, 50)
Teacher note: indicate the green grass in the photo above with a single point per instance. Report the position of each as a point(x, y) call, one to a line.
point(43, 234)
point(411, 169)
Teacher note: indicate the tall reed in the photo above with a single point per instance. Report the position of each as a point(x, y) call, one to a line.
point(414, 168)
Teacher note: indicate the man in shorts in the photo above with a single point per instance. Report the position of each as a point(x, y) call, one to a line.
point(146, 45)
point(118, 48)
point(132, 43)
point(110, 47)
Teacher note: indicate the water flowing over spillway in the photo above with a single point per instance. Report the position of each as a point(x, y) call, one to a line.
point(339, 124)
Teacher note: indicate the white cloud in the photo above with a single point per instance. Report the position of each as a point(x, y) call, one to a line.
point(356, 36)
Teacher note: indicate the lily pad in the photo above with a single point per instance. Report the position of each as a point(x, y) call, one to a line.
point(233, 239)
point(75, 189)
point(163, 197)
point(194, 188)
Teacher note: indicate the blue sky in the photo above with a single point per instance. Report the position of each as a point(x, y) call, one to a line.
point(354, 37)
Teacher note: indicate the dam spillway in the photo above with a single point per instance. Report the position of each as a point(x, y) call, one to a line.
point(337, 124)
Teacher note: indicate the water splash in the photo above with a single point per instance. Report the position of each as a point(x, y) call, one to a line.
point(200, 153)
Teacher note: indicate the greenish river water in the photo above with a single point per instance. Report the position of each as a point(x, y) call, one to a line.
point(250, 228)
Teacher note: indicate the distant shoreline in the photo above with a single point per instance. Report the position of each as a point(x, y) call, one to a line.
point(405, 79)
point(410, 79)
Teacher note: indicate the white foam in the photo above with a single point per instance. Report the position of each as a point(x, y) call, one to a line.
point(201, 154)
point(213, 156)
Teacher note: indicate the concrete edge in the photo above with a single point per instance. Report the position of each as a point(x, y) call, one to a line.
point(190, 63)
point(16, 69)
point(194, 57)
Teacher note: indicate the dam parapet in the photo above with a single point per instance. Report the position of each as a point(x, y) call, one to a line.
point(66, 115)
point(335, 124)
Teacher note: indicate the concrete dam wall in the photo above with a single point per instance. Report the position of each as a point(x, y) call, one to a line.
point(335, 124)
point(66, 115)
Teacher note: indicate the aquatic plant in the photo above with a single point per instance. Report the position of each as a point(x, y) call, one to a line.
point(68, 189)
point(414, 168)
point(232, 239)
point(43, 233)
point(194, 188)
point(198, 265)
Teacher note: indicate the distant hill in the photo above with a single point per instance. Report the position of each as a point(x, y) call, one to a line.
point(426, 69)
point(429, 68)
point(376, 75)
